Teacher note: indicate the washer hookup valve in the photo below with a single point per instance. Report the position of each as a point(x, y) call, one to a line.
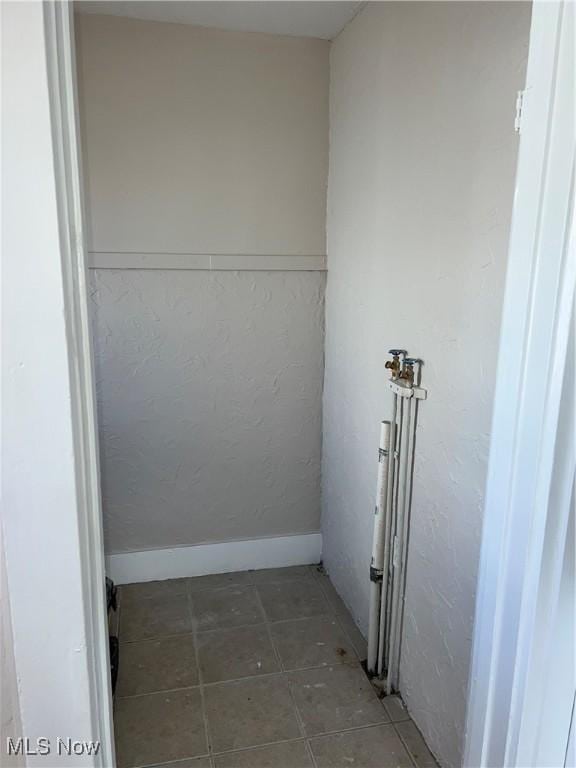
point(394, 365)
point(407, 373)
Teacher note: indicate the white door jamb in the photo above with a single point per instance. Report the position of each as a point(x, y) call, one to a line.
point(529, 479)
point(59, 31)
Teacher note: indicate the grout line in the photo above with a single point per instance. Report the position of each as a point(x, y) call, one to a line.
point(303, 618)
point(162, 690)
point(274, 743)
point(339, 617)
point(156, 637)
point(311, 753)
point(397, 695)
point(269, 632)
point(299, 719)
point(408, 752)
point(335, 613)
point(332, 612)
point(242, 626)
point(348, 636)
point(200, 678)
point(233, 584)
point(177, 762)
point(327, 665)
point(219, 630)
point(296, 740)
point(347, 730)
point(263, 675)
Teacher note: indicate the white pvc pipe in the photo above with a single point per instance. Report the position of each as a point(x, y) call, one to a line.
point(388, 598)
point(387, 537)
point(378, 545)
point(397, 545)
point(406, 537)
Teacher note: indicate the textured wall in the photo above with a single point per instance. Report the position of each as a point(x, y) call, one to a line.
point(203, 141)
point(422, 161)
point(210, 388)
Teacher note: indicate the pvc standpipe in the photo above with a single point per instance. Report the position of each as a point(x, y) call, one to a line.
point(386, 581)
point(380, 526)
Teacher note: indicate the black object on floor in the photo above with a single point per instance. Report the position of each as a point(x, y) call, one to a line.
point(114, 645)
point(111, 595)
point(114, 660)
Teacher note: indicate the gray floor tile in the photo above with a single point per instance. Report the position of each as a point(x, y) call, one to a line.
point(219, 580)
point(130, 593)
point(226, 608)
point(274, 575)
point(312, 642)
point(319, 644)
point(416, 745)
point(228, 654)
point(334, 698)
point(377, 747)
point(155, 617)
point(291, 754)
point(159, 727)
point(157, 665)
point(335, 601)
point(250, 713)
point(195, 762)
point(395, 708)
point(356, 637)
point(292, 600)
point(339, 607)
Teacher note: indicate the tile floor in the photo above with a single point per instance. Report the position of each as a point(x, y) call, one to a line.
point(258, 669)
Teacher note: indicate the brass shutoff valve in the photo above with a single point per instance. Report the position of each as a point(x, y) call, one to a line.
point(407, 373)
point(395, 365)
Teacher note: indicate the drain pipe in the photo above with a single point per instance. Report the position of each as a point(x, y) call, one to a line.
point(398, 547)
point(386, 576)
point(392, 681)
point(382, 525)
point(403, 568)
point(392, 520)
point(378, 546)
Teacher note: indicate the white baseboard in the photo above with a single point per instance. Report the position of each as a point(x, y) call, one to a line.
point(223, 557)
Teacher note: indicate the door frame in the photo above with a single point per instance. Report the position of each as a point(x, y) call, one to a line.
point(62, 94)
point(529, 480)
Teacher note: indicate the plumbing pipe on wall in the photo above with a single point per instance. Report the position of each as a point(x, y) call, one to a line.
point(399, 547)
point(379, 544)
point(392, 520)
point(396, 649)
point(386, 579)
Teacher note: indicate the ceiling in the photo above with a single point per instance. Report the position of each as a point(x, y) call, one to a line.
point(301, 18)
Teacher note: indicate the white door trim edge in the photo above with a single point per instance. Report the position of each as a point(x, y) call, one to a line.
point(525, 428)
point(218, 557)
point(60, 52)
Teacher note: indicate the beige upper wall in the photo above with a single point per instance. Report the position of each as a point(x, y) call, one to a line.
point(202, 141)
